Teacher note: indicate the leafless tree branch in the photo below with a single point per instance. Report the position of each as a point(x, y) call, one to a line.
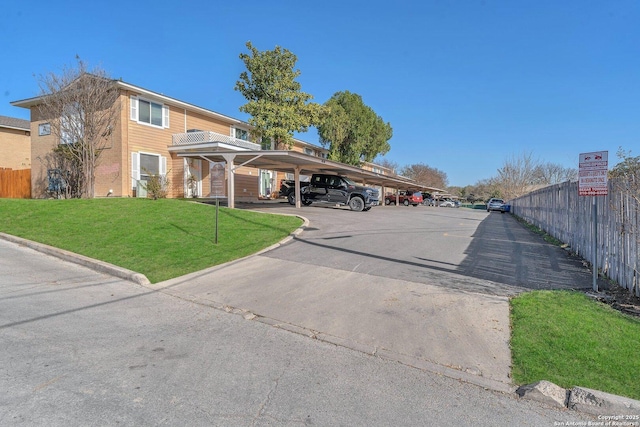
point(82, 108)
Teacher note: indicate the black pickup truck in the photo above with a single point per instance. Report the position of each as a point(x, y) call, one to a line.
point(333, 189)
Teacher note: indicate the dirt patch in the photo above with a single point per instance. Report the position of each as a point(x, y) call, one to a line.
point(620, 299)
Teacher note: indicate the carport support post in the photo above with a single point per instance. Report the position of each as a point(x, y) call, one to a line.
point(231, 199)
point(296, 187)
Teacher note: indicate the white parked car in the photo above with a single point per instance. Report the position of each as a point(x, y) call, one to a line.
point(447, 204)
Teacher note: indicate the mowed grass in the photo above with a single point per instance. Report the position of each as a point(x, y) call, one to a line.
point(161, 239)
point(568, 339)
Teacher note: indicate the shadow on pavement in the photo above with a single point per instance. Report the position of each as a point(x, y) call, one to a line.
point(502, 250)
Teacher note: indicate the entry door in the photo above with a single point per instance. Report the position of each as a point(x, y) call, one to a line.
point(193, 178)
point(266, 183)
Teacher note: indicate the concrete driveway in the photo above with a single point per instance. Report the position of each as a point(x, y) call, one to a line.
point(427, 287)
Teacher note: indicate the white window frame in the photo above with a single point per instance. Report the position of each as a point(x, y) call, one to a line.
point(234, 133)
point(136, 170)
point(44, 129)
point(134, 111)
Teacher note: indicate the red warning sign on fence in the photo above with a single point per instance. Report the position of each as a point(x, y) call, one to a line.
point(592, 174)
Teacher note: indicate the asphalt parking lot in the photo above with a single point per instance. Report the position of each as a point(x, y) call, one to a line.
point(458, 248)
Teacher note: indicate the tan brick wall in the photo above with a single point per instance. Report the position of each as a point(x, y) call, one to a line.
point(41, 149)
point(110, 170)
point(108, 173)
point(15, 149)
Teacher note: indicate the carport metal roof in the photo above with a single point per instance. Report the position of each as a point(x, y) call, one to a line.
point(288, 161)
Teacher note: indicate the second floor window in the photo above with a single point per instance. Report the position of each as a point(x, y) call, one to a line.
point(242, 134)
point(72, 124)
point(149, 112)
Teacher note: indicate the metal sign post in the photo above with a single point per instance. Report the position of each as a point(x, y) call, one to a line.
point(216, 171)
point(217, 208)
point(592, 181)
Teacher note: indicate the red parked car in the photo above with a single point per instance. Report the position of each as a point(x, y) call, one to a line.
point(408, 197)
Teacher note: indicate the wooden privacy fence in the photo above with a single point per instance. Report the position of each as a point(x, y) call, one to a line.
point(15, 184)
point(559, 211)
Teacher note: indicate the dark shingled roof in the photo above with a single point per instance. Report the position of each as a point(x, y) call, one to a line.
point(12, 122)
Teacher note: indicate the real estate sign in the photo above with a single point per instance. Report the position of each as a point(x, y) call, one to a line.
point(216, 171)
point(592, 173)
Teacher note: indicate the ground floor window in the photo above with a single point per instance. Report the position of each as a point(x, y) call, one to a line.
point(143, 166)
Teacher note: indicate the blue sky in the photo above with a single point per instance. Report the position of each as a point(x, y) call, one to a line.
point(464, 84)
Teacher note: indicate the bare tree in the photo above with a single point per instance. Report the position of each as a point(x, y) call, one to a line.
point(517, 175)
point(425, 175)
point(385, 163)
point(82, 109)
point(552, 173)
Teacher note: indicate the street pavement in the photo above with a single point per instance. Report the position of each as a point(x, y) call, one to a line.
point(216, 347)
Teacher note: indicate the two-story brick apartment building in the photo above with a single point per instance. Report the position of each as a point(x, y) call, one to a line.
point(149, 125)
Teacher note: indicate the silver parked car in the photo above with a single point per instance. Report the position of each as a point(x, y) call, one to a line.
point(495, 204)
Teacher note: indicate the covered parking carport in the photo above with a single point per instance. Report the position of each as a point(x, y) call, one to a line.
point(289, 162)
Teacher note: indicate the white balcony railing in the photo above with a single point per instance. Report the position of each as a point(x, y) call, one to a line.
point(207, 137)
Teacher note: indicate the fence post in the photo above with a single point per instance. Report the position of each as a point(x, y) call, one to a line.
point(594, 243)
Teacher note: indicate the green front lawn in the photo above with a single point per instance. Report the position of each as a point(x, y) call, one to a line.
point(161, 239)
point(568, 339)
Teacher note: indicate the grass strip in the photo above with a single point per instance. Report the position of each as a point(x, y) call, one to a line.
point(161, 239)
point(568, 339)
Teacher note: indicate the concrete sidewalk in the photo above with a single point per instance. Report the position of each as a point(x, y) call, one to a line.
point(460, 335)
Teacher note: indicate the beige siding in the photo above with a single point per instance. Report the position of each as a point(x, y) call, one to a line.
point(114, 171)
point(247, 184)
point(140, 137)
point(297, 148)
point(201, 122)
point(146, 138)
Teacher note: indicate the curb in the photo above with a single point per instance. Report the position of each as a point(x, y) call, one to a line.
point(100, 266)
point(120, 272)
point(608, 407)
